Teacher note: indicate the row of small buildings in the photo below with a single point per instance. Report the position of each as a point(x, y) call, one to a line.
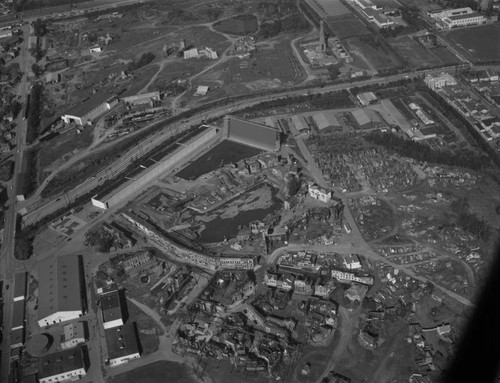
point(185, 254)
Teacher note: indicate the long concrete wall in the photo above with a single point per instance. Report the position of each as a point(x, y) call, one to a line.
point(184, 153)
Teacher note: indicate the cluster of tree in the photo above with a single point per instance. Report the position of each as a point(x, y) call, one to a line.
point(144, 60)
point(291, 23)
point(37, 69)
point(334, 72)
point(469, 221)
point(35, 106)
point(39, 28)
point(411, 16)
point(213, 13)
point(12, 70)
point(398, 30)
point(12, 106)
point(6, 169)
point(421, 152)
point(461, 122)
point(31, 159)
point(293, 185)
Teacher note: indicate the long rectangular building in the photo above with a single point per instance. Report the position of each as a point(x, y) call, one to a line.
point(205, 261)
point(251, 133)
point(62, 295)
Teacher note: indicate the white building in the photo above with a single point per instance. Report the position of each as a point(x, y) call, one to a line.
point(61, 289)
point(96, 49)
point(209, 53)
point(191, 54)
point(144, 98)
point(319, 193)
point(351, 262)
point(435, 82)
point(73, 335)
point(63, 366)
point(460, 17)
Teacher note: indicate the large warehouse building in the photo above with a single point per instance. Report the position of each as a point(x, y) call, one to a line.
point(251, 133)
point(61, 290)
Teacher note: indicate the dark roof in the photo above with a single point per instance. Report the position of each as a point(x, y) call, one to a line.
point(59, 285)
point(18, 314)
point(121, 341)
point(20, 285)
point(111, 307)
point(60, 362)
point(466, 16)
point(89, 104)
point(17, 336)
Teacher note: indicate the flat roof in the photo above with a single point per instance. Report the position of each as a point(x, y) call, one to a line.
point(59, 285)
point(18, 314)
point(61, 362)
point(73, 331)
point(121, 341)
point(137, 97)
point(20, 284)
point(17, 336)
point(466, 16)
point(111, 306)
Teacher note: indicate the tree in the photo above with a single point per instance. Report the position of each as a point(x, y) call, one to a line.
point(334, 72)
point(37, 69)
point(39, 27)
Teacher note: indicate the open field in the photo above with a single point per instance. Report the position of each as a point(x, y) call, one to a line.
point(64, 146)
point(445, 55)
point(225, 153)
point(157, 372)
point(238, 25)
point(479, 44)
point(272, 65)
point(348, 26)
point(376, 56)
point(414, 53)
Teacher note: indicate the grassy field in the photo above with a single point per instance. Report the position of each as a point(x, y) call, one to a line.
point(479, 44)
point(238, 25)
point(61, 148)
point(157, 372)
point(445, 55)
point(375, 55)
point(414, 53)
point(348, 26)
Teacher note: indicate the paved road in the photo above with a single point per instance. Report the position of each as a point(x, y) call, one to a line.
point(7, 261)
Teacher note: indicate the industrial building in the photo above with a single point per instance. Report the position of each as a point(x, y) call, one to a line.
point(140, 99)
point(87, 111)
point(62, 294)
point(251, 133)
point(183, 150)
point(435, 82)
point(122, 344)
point(62, 366)
point(111, 309)
point(460, 17)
